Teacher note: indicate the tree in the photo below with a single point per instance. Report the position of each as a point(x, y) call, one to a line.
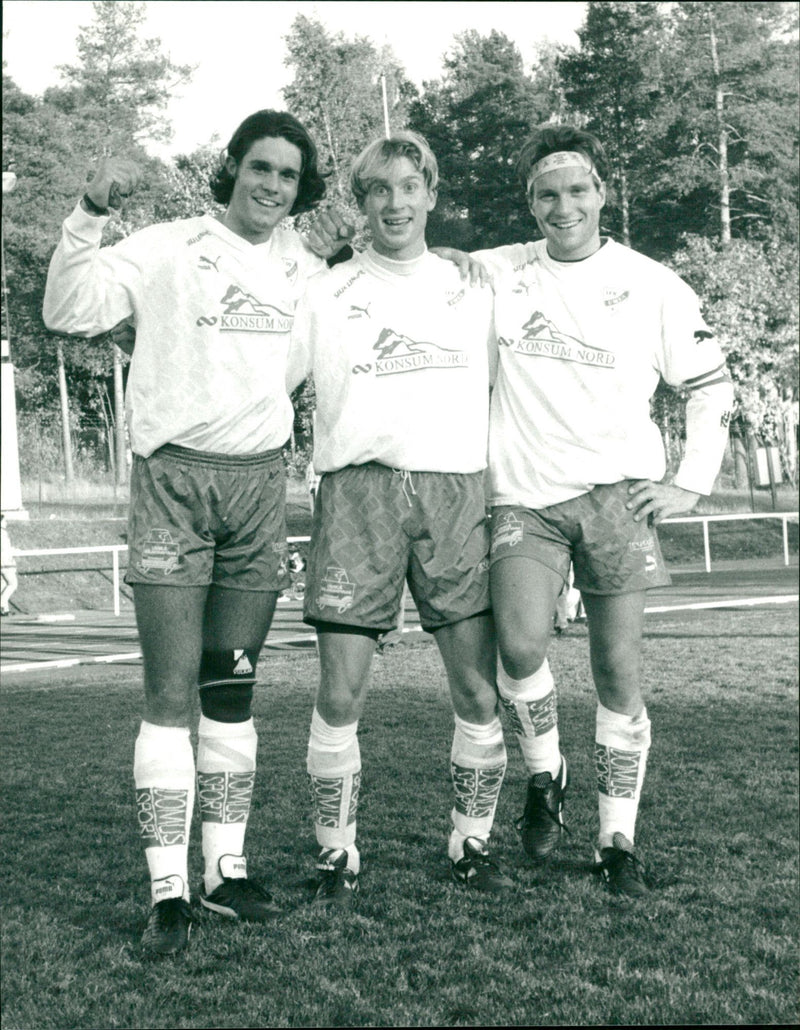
point(729, 153)
point(614, 82)
point(337, 94)
point(110, 102)
point(185, 191)
point(476, 119)
point(750, 295)
point(122, 83)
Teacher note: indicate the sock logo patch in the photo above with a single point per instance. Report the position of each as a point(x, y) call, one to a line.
point(225, 797)
point(476, 790)
point(617, 771)
point(352, 808)
point(510, 709)
point(161, 814)
point(326, 800)
point(541, 715)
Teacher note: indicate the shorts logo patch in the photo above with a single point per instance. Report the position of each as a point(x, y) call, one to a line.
point(160, 553)
point(336, 590)
point(508, 532)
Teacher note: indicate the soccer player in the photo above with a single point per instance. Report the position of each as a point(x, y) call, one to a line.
point(212, 299)
point(585, 329)
point(8, 572)
point(399, 348)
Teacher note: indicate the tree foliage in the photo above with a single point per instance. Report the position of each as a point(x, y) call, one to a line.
point(613, 83)
point(337, 93)
point(731, 121)
point(114, 98)
point(476, 119)
point(750, 294)
point(697, 104)
point(122, 82)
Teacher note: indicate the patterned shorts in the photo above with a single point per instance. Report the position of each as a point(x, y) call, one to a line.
point(610, 552)
point(375, 528)
point(197, 518)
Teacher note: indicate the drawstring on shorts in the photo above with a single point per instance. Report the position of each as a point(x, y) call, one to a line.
point(407, 484)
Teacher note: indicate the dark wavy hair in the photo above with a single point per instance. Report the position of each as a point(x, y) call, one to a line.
point(272, 124)
point(548, 139)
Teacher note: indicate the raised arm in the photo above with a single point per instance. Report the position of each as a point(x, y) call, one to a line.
point(85, 292)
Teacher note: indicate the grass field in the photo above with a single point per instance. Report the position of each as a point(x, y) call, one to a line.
point(716, 942)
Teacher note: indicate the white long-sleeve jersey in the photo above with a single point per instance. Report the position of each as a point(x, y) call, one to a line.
point(581, 348)
point(399, 352)
point(213, 316)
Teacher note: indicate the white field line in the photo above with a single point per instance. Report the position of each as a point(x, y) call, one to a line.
point(749, 601)
point(107, 659)
point(67, 663)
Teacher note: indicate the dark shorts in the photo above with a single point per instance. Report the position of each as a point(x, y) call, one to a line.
point(197, 518)
point(610, 552)
point(376, 528)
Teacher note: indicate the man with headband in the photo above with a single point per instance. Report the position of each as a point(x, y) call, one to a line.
point(586, 328)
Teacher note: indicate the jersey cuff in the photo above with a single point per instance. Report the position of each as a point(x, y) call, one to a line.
point(341, 255)
point(85, 226)
point(694, 481)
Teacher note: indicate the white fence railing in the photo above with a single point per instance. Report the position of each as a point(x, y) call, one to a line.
point(116, 549)
point(784, 516)
point(102, 548)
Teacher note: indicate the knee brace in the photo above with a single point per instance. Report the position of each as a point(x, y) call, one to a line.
point(226, 684)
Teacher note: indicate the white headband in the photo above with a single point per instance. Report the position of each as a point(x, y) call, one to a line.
point(562, 159)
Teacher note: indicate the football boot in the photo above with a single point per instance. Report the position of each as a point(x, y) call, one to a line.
point(621, 870)
point(477, 871)
point(541, 824)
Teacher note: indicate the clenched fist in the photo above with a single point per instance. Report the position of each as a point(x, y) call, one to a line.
point(113, 179)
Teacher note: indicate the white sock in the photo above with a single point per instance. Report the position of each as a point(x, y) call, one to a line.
point(531, 706)
point(620, 757)
point(477, 765)
point(163, 773)
point(226, 769)
point(334, 766)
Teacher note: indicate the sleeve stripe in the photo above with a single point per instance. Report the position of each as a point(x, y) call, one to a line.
point(710, 382)
point(710, 372)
